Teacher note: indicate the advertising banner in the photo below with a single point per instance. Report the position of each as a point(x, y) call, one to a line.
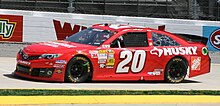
point(213, 33)
point(67, 29)
point(11, 28)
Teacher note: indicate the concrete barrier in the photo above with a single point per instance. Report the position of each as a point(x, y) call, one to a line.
point(46, 26)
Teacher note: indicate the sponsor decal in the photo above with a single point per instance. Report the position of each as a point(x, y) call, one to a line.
point(109, 66)
point(111, 51)
point(62, 44)
point(93, 53)
point(58, 66)
point(6, 28)
point(177, 59)
point(215, 39)
point(213, 33)
point(60, 61)
point(59, 71)
point(11, 28)
point(103, 51)
point(101, 65)
point(110, 55)
point(79, 51)
point(102, 56)
point(57, 44)
point(81, 58)
point(195, 63)
point(105, 58)
point(51, 45)
point(23, 62)
point(102, 61)
point(106, 46)
point(110, 62)
point(204, 51)
point(156, 72)
point(66, 30)
point(151, 73)
point(174, 51)
point(49, 63)
point(111, 59)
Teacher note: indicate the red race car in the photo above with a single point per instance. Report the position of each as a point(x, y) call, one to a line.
point(109, 52)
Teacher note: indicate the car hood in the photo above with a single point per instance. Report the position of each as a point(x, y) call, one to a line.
point(55, 46)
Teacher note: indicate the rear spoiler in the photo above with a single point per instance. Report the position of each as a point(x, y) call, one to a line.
point(193, 38)
point(188, 37)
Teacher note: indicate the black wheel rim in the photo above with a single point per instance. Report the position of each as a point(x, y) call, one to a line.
point(176, 71)
point(77, 69)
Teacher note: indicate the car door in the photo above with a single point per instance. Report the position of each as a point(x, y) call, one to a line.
point(126, 58)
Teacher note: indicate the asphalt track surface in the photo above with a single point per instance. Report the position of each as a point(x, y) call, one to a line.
point(8, 81)
point(8, 51)
point(208, 81)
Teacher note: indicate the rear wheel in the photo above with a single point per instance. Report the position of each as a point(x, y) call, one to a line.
point(176, 70)
point(78, 69)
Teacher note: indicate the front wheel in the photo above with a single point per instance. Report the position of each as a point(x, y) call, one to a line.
point(176, 70)
point(78, 69)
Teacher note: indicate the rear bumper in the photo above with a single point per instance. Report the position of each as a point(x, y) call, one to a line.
point(205, 67)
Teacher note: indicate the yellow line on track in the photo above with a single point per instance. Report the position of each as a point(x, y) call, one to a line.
point(112, 99)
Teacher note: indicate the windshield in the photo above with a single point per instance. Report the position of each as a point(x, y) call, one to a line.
point(91, 36)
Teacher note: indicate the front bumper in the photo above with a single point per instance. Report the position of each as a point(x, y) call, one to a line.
point(40, 69)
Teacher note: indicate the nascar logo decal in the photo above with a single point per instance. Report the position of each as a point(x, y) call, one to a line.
point(215, 39)
point(6, 28)
point(174, 51)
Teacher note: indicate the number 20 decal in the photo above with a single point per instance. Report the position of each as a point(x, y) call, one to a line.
point(139, 57)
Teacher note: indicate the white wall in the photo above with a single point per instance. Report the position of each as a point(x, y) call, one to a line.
point(38, 26)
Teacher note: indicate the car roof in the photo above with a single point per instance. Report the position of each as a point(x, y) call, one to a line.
point(117, 27)
point(127, 27)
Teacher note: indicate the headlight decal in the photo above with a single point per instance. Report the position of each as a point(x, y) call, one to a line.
point(49, 56)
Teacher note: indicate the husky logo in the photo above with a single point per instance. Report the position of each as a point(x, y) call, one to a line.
point(174, 51)
point(6, 28)
point(157, 51)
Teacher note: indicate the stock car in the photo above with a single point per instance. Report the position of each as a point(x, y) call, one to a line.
point(112, 52)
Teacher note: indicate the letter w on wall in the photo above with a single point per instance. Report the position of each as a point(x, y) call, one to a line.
point(66, 30)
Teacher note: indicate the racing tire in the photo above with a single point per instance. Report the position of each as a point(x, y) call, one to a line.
point(78, 70)
point(176, 70)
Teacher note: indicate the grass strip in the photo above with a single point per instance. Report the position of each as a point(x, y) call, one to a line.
point(43, 92)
